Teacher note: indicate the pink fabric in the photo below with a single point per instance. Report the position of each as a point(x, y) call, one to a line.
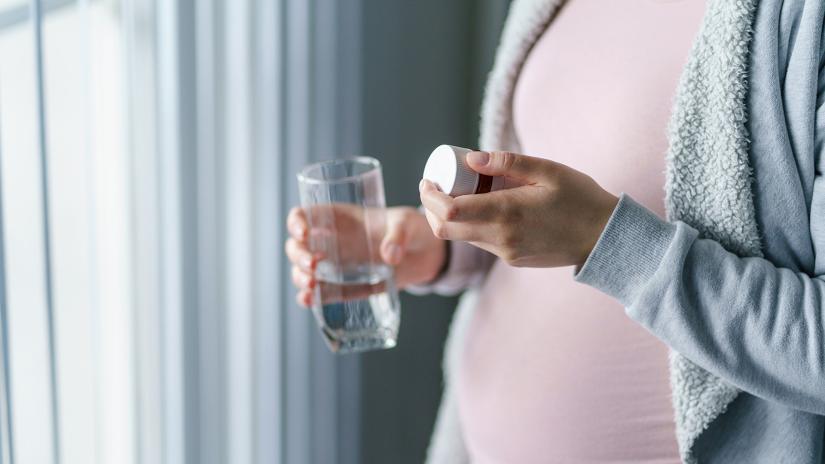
point(553, 371)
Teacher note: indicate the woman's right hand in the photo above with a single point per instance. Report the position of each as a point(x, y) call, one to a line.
point(408, 245)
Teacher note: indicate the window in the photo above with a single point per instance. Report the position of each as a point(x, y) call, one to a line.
point(147, 158)
point(142, 185)
point(68, 304)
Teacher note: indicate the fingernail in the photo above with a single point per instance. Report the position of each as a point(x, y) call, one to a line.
point(393, 253)
point(479, 158)
point(427, 185)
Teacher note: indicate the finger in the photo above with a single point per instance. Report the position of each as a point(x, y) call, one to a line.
point(505, 163)
point(302, 279)
point(478, 208)
point(466, 208)
point(304, 298)
point(296, 224)
point(336, 293)
point(394, 243)
point(446, 230)
point(299, 255)
point(332, 293)
point(436, 201)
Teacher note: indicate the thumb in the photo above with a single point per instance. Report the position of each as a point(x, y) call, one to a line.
point(394, 244)
point(504, 163)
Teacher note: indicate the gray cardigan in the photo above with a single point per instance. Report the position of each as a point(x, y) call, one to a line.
point(732, 282)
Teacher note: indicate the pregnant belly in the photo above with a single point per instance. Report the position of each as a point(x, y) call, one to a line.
point(554, 371)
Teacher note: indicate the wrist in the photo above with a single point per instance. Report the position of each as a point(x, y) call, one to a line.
point(602, 213)
point(629, 251)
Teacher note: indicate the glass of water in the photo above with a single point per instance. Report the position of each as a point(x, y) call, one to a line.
point(355, 301)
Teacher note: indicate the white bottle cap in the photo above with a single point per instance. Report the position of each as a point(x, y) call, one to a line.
point(448, 170)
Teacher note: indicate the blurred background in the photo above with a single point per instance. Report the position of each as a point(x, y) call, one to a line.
point(148, 152)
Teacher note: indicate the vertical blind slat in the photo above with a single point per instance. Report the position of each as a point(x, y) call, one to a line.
point(210, 204)
point(299, 332)
point(84, 12)
point(239, 185)
point(172, 136)
point(6, 442)
point(268, 234)
point(37, 29)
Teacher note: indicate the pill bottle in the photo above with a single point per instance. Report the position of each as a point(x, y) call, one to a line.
point(447, 168)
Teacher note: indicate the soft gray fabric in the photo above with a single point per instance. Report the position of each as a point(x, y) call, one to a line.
point(708, 183)
point(754, 323)
point(743, 319)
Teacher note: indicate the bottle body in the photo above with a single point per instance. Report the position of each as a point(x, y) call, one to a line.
point(447, 168)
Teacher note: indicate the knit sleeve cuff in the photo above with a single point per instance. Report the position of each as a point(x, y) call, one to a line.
point(628, 252)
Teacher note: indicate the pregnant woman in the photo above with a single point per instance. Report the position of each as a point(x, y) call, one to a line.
point(653, 291)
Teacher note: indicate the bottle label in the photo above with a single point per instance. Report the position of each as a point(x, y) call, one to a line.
point(485, 183)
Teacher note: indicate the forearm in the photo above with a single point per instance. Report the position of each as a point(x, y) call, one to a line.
point(757, 326)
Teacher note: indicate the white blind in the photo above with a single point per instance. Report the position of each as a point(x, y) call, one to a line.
point(147, 159)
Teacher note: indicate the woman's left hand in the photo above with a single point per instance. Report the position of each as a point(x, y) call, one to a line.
point(554, 219)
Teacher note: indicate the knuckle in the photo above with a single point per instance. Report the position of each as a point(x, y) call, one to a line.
point(517, 262)
point(451, 213)
point(555, 176)
point(516, 216)
point(509, 257)
point(294, 213)
point(440, 230)
point(552, 170)
point(508, 159)
point(509, 239)
point(509, 214)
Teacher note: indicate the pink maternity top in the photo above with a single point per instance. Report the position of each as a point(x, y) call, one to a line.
point(554, 371)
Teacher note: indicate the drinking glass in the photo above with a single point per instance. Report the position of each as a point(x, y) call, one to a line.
point(355, 301)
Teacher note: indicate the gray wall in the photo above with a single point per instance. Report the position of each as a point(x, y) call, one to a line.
point(424, 64)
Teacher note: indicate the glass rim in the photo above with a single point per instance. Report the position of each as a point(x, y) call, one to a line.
point(372, 163)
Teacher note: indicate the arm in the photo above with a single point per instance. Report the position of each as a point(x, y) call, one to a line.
point(745, 320)
point(756, 325)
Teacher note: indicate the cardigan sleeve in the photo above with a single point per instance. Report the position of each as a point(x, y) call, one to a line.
point(758, 326)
